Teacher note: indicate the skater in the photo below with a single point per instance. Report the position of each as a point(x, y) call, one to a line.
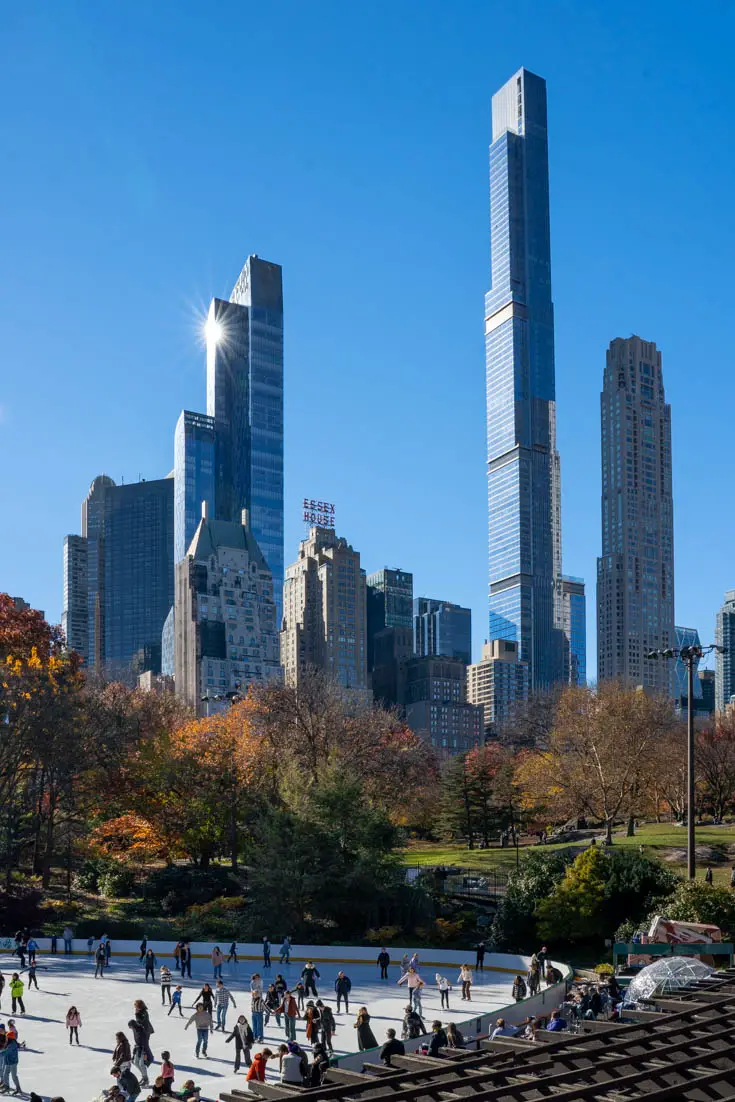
point(272, 1001)
point(413, 1025)
point(533, 976)
point(299, 994)
point(176, 1001)
point(244, 1040)
point(100, 960)
point(404, 964)
point(32, 949)
point(185, 957)
point(266, 953)
point(365, 1035)
point(10, 1066)
point(68, 939)
point(383, 962)
point(280, 985)
point(90, 946)
point(54, 940)
point(465, 978)
point(206, 998)
point(143, 947)
point(168, 1072)
point(327, 1025)
point(222, 999)
point(414, 962)
point(256, 1071)
point(73, 1023)
point(108, 950)
point(232, 955)
point(143, 1019)
point(177, 956)
point(150, 965)
point(217, 962)
point(480, 952)
point(32, 981)
point(444, 988)
point(257, 1012)
point(256, 983)
point(140, 1044)
point(290, 1012)
point(121, 1056)
point(312, 1023)
point(284, 952)
point(519, 989)
point(342, 988)
point(413, 982)
point(165, 979)
point(16, 993)
point(203, 1022)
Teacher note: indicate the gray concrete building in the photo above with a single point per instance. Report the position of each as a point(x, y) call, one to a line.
point(635, 573)
point(433, 694)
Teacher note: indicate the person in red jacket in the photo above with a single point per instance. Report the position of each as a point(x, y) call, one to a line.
point(257, 1068)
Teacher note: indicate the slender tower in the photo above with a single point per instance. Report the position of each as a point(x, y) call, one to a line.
point(524, 480)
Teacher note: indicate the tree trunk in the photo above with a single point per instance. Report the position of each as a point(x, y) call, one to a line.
point(608, 831)
point(49, 853)
point(233, 834)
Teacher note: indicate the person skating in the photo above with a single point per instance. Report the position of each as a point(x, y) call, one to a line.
point(342, 988)
point(143, 948)
point(206, 997)
point(177, 956)
point(54, 942)
point(10, 1065)
point(413, 981)
point(32, 980)
point(185, 958)
point(232, 954)
point(312, 1023)
point(480, 955)
point(108, 950)
point(327, 1025)
point(404, 964)
point(143, 1020)
point(284, 952)
point(73, 1023)
point(122, 1055)
point(266, 952)
point(16, 993)
point(383, 961)
point(176, 1000)
point(151, 964)
point(202, 1020)
point(257, 1013)
point(365, 1035)
point(309, 975)
point(244, 1040)
point(90, 946)
point(465, 978)
point(2, 984)
point(68, 936)
point(256, 1071)
point(413, 1025)
point(222, 999)
point(164, 977)
point(168, 1072)
point(290, 1011)
point(32, 948)
point(533, 976)
point(519, 989)
point(542, 956)
point(444, 988)
point(272, 1001)
point(100, 962)
point(392, 1047)
point(217, 962)
point(299, 992)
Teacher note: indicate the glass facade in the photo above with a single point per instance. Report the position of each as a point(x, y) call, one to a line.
point(245, 399)
point(389, 604)
point(441, 628)
point(193, 476)
point(74, 618)
point(725, 662)
point(574, 621)
point(686, 637)
point(524, 510)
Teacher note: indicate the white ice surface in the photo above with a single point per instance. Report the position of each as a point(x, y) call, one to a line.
point(49, 1066)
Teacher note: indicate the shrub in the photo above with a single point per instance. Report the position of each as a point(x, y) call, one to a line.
point(117, 882)
point(514, 925)
point(697, 901)
point(177, 887)
point(384, 935)
point(604, 970)
point(446, 931)
point(87, 876)
point(20, 907)
point(224, 917)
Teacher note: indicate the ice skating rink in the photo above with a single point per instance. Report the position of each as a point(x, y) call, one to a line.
point(49, 1066)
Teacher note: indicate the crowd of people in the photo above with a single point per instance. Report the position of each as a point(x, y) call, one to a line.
point(136, 1069)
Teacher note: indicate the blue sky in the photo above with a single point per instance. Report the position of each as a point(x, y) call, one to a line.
point(148, 148)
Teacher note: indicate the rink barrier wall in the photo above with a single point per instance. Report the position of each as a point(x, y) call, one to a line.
point(319, 954)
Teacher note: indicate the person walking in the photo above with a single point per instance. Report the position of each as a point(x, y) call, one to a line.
point(480, 955)
point(176, 1001)
point(244, 1040)
point(150, 965)
point(266, 953)
point(202, 1020)
point(327, 1025)
point(100, 961)
point(284, 952)
point(68, 939)
point(392, 1047)
point(122, 1055)
point(309, 975)
point(185, 958)
point(519, 989)
point(465, 978)
point(342, 988)
point(232, 954)
point(217, 962)
point(222, 999)
point(16, 993)
point(73, 1023)
point(10, 1066)
point(707, 879)
point(257, 1013)
point(143, 947)
point(383, 961)
point(290, 1012)
point(444, 988)
point(164, 977)
point(365, 1035)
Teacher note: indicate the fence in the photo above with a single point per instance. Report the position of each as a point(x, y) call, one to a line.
point(465, 882)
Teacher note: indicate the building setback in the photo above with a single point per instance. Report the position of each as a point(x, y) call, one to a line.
point(225, 618)
point(725, 663)
point(497, 683)
point(193, 476)
point(441, 628)
point(523, 467)
point(324, 612)
point(635, 574)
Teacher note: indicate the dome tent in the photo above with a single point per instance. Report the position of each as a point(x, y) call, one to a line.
point(665, 976)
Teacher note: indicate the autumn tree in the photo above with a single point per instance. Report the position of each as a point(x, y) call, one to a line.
point(715, 764)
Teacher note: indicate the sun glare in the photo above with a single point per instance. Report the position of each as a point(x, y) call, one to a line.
point(213, 330)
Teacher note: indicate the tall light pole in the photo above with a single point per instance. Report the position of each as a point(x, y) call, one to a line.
point(690, 656)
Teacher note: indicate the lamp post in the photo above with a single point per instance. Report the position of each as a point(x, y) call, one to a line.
point(690, 655)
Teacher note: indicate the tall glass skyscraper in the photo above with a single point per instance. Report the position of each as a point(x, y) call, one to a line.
point(441, 628)
point(193, 476)
point(725, 660)
point(245, 400)
point(524, 493)
point(574, 623)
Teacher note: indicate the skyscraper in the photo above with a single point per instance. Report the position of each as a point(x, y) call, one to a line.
point(128, 533)
point(686, 637)
point(74, 618)
point(574, 626)
point(441, 628)
point(389, 604)
point(725, 663)
point(524, 482)
point(225, 620)
point(324, 617)
point(497, 683)
point(245, 400)
point(193, 476)
point(433, 693)
point(635, 575)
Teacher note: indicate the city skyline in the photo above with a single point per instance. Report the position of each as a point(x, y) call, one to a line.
point(594, 211)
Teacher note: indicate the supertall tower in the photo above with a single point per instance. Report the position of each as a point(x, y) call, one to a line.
point(524, 483)
point(635, 574)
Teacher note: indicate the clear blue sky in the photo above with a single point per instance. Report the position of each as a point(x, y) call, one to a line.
point(148, 148)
